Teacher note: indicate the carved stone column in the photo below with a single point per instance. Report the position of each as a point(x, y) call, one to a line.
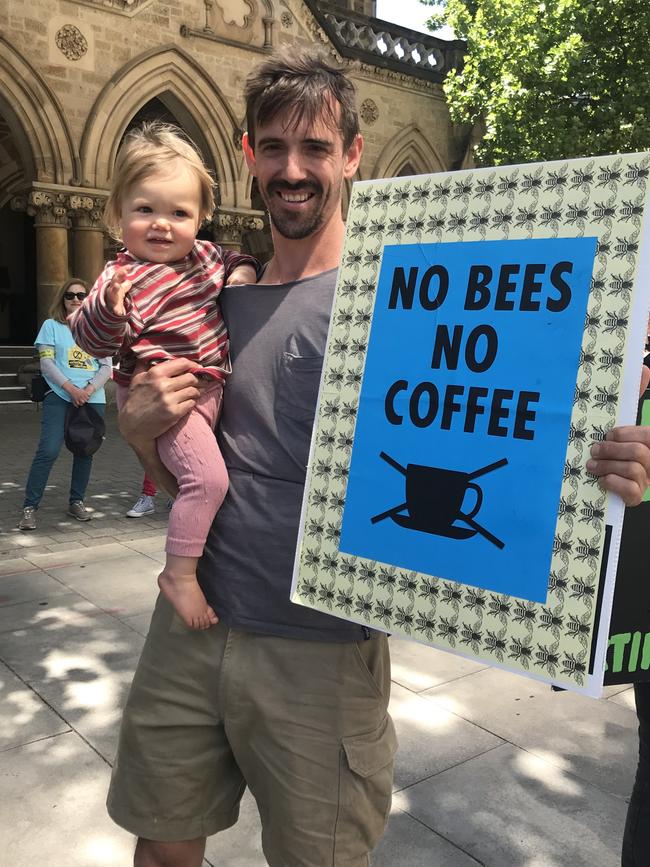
point(50, 212)
point(229, 227)
point(267, 21)
point(88, 247)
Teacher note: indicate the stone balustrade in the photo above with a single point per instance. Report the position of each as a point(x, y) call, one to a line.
point(388, 45)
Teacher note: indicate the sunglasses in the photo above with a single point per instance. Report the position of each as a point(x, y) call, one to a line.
point(70, 296)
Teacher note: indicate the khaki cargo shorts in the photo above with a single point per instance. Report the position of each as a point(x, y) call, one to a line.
point(303, 723)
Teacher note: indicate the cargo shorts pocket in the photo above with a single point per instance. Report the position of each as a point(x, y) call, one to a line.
point(365, 790)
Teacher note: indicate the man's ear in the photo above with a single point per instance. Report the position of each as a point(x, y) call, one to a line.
point(353, 156)
point(249, 153)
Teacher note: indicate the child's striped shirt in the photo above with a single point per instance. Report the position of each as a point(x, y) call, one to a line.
point(172, 311)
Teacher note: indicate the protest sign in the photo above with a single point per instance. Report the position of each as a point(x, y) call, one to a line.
point(628, 652)
point(487, 327)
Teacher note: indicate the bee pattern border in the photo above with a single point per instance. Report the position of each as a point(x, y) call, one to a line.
point(542, 201)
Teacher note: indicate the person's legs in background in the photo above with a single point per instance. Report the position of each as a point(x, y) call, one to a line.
point(145, 504)
point(81, 467)
point(49, 446)
point(636, 838)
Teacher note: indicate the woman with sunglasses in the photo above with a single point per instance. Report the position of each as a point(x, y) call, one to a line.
point(72, 376)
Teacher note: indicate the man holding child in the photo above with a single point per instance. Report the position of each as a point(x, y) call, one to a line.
point(285, 700)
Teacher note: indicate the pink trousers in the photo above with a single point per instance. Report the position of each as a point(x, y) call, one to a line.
point(190, 452)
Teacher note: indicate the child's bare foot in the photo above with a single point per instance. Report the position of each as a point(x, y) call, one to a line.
point(182, 589)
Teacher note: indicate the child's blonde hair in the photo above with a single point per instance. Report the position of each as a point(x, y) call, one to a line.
point(144, 152)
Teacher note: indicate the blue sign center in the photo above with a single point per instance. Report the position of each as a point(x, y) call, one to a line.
point(465, 409)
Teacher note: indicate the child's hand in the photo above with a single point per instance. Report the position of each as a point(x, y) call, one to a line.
point(242, 274)
point(117, 290)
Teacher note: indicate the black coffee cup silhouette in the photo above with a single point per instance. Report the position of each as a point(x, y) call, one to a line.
point(435, 498)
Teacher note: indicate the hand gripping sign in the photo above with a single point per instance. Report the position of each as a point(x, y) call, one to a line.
point(487, 327)
point(628, 651)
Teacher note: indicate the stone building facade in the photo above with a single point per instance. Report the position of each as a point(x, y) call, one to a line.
point(75, 75)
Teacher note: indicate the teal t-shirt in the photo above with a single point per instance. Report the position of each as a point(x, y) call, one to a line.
point(76, 364)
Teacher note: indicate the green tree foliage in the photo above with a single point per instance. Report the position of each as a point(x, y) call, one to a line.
point(551, 79)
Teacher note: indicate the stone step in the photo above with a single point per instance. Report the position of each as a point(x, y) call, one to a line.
point(12, 392)
point(16, 355)
point(13, 363)
point(17, 350)
point(7, 406)
point(14, 388)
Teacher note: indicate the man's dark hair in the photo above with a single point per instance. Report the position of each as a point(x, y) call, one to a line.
point(299, 83)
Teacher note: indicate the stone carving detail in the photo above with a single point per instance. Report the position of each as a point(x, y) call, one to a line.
point(229, 228)
point(123, 7)
point(19, 203)
point(369, 111)
point(53, 208)
point(48, 208)
point(237, 12)
point(226, 9)
point(88, 211)
point(71, 42)
point(81, 203)
point(286, 19)
point(319, 35)
point(268, 31)
point(237, 137)
point(208, 11)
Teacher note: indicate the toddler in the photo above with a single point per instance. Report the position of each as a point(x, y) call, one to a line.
point(158, 300)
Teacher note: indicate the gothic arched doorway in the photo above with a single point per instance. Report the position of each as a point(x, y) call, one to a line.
point(17, 242)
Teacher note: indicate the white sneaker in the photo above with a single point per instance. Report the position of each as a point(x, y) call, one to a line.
point(144, 506)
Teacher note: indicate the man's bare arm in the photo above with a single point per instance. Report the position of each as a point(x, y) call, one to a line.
point(157, 399)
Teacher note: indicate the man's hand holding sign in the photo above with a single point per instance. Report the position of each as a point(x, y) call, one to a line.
point(621, 460)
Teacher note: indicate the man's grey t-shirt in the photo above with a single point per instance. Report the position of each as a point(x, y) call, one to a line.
point(278, 336)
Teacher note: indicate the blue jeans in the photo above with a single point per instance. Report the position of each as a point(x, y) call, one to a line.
point(52, 431)
point(636, 839)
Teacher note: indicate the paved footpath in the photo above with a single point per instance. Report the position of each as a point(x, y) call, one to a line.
point(493, 769)
point(115, 485)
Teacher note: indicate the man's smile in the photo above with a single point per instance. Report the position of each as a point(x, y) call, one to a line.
point(287, 196)
point(294, 197)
